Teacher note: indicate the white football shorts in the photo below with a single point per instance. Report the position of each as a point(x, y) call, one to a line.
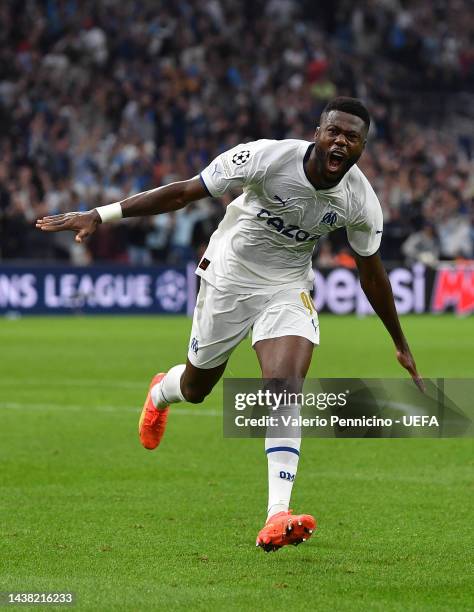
point(222, 320)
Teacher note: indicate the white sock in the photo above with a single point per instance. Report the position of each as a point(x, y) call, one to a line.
point(283, 455)
point(168, 390)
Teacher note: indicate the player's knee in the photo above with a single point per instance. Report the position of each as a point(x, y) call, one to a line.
point(194, 395)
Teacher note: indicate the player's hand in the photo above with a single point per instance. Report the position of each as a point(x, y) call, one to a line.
point(84, 223)
point(405, 358)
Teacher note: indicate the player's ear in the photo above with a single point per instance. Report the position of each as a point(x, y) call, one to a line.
point(316, 132)
point(366, 136)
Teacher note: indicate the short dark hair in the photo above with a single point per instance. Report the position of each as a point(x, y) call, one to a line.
point(352, 106)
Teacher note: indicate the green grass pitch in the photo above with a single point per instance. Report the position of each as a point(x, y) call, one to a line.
point(84, 508)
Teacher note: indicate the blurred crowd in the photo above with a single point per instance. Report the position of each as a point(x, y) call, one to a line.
point(101, 99)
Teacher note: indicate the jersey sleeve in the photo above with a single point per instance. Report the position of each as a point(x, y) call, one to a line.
point(235, 168)
point(365, 233)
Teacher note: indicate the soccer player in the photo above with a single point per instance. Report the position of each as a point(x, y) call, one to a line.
point(256, 275)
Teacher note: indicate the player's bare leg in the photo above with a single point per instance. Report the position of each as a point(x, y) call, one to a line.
point(284, 363)
point(197, 383)
point(180, 383)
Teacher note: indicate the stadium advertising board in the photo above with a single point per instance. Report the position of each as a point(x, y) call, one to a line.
point(114, 290)
point(165, 290)
point(416, 290)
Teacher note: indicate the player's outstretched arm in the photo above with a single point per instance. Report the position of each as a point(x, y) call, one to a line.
point(163, 199)
point(376, 285)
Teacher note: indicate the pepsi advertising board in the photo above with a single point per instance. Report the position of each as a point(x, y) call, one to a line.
point(416, 290)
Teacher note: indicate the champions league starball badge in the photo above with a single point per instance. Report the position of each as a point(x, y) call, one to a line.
point(241, 157)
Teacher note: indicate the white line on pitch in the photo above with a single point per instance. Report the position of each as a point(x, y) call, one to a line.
point(78, 382)
point(113, 409)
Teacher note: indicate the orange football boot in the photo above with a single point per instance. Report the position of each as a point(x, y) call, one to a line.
point(152, 424)
point(283, 528)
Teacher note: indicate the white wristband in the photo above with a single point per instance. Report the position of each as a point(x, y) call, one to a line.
point(111, 212)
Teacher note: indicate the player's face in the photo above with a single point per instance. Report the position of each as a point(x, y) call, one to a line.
point(340, 140)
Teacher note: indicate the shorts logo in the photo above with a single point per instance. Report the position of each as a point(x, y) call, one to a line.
point(330, 218)
point(240, 158)
point(204, 263)
point(195, 345)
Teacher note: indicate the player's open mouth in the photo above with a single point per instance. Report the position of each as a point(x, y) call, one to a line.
point(336, 160)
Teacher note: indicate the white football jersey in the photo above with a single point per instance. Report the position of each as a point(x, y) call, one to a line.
point(266, 239)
